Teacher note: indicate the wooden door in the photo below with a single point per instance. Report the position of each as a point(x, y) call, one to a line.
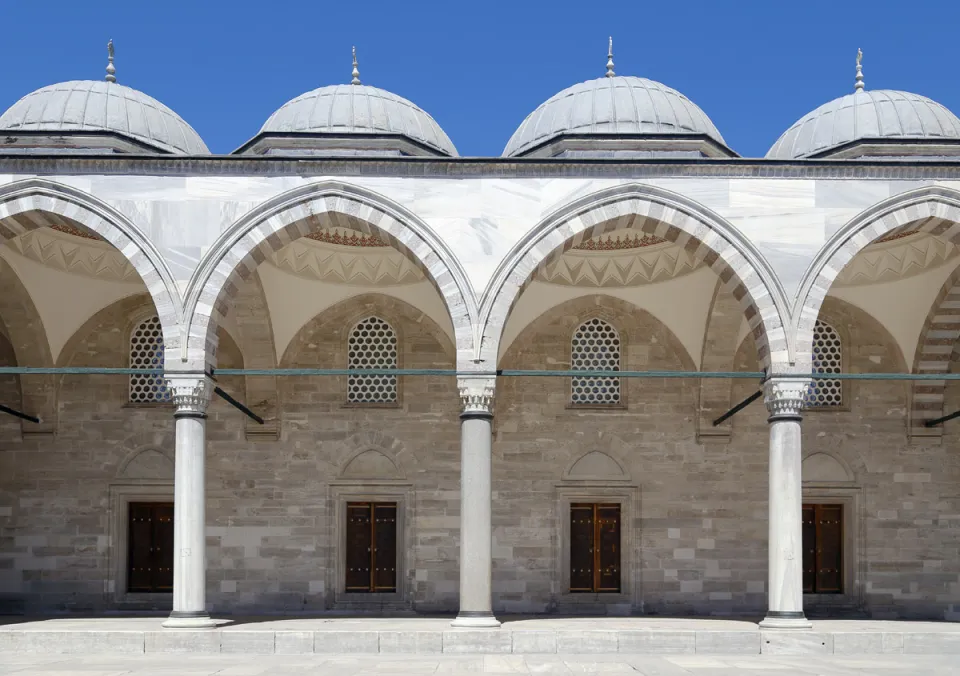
point(371, 541)
point(150, 547)
point(594, 548)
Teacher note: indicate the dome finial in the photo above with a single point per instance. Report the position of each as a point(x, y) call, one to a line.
point(111, 69)
point(859, 85)
point(610, 72)
point(356, 72)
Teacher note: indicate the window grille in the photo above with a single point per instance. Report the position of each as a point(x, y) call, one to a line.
point(372, 345)
point(146, 352)
point(595, 347)
point(827, 358)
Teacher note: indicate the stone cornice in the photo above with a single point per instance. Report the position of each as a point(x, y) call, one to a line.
point(464, 167)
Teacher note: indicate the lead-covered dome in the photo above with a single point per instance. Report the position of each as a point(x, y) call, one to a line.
point(88, 107)
point(865, 116)
point(361, 111)
point(613, 106)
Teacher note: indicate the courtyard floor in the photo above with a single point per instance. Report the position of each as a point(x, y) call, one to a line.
point(433, 636)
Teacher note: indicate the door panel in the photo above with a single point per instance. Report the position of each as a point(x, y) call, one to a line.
point(829, 549)
point(163, 547)
point(809, 548)
point(139, 548)
point(385, 552)
point(581, 548)
point(608, 529)
point(359, 554)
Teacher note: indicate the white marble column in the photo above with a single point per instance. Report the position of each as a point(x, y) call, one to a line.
point(476, 486)
point(784, 399)
point(191, 394)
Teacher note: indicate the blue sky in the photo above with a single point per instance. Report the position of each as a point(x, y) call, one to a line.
point(479, 68)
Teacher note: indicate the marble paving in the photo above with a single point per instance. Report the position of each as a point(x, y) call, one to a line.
point(518, 636)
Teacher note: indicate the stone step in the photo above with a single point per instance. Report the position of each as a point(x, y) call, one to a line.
point(485, 641)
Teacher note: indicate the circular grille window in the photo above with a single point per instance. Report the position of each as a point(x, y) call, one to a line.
point(595, 347)
point(372, 345)
point(827, 353)
point(146, 352)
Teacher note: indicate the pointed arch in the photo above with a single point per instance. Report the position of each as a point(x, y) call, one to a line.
point(286, 217)
point(931, 209)
point(658, 212)
point(38, 202)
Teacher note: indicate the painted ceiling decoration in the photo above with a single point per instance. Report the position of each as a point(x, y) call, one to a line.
point(75, 232)
point(343, 237)
point(896, 236)
point(619, 242)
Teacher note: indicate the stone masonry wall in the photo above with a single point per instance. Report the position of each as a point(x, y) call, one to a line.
point(697, 527)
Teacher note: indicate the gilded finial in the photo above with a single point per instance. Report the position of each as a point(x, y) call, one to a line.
point(859, 85)
point(610, 72)
point(111, 69)
point(356, 71)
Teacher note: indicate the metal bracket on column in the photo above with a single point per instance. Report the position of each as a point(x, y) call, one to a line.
point(739, 407)
point(19, 414)
point(236, 404)
point(938, 421)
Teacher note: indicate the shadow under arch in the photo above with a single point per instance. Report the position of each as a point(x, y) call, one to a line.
point(658, 212)
point(284, 218)
point(931, 209)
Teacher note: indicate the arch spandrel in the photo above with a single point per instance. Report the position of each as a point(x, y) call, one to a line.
point(663, 214)
point(931, 209)
point(286, 217)
point(38, 202)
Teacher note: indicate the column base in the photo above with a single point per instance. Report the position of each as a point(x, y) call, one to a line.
point(475, 620)
point(785, 620)
point(189, 620)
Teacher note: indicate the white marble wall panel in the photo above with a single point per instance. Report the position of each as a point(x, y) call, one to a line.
point(482, 219)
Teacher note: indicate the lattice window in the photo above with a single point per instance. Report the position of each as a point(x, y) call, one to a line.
point(595, 347)
point(146, 352)
point(827, 358)
point(372, 345)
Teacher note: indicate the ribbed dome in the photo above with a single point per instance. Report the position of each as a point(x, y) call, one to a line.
point(865, 115)
point(358, 109)
point(612, 105)
point(89, 105)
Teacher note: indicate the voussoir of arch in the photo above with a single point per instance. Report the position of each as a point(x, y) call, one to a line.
point(655, 211)
point(939, 340)
point(26, 205)
point(931, 209)
point(282, 219)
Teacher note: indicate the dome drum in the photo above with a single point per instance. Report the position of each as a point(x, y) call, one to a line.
point(333, 144)
point(629, 146)
point(78, 141)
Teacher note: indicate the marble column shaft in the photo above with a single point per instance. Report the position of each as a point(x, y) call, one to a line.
point(784, 399)
point(191, 395)
point(476, 534)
